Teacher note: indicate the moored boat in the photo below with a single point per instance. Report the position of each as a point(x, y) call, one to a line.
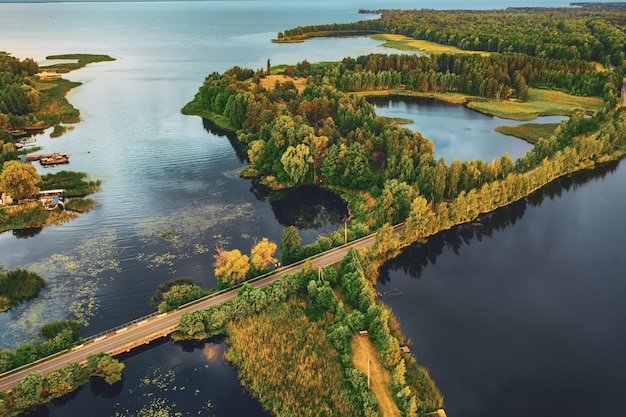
point(54, 159)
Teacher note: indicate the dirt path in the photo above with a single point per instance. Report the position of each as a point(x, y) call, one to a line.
point(380, 378)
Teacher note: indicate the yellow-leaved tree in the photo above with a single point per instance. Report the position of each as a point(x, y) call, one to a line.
point(263, 254)
point(19, 180)
point(231, 267)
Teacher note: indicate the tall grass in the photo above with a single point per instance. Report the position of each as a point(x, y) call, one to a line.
point(287, 361)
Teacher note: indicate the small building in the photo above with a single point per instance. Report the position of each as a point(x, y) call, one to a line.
point(5, 199)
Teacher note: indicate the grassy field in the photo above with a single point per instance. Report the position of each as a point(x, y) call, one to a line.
point(54, 105)
point(404, 43)
point(454, 98)
point(530, 132)
point(540, 103)
point(269, 81)
point(287, 361)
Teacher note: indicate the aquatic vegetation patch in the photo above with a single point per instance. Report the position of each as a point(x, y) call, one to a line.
point(183, 231)
point(190, 223)
point(156, 382)
point(72, 284)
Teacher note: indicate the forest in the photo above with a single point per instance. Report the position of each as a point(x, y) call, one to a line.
point(323, 135)
point(588, 34)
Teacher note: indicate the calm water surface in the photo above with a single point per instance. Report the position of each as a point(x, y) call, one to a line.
point(524, 314)
point(165, 172)
point(457, 131)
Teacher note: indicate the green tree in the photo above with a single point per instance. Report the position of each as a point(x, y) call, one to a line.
point(290, 245)
point(28, 393)
point(191, 325)
point(63, 380)
point(178, 295)
point(297, 161)
point(104, 366)
point(420, 220)
point(19, 180)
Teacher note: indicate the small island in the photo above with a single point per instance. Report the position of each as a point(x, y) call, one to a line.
point(17, 286)
point(34, 99)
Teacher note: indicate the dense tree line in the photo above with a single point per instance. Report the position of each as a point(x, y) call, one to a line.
point(36, 389)
point(323, 135)
point(18, 95)
point(578, 34)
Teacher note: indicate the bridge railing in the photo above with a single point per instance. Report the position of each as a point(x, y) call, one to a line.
point(116, 328)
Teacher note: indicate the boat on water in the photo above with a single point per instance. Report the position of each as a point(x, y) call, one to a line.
point(54, 159)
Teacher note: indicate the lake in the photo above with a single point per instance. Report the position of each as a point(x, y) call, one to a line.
point(166, 172)
point(457, 131)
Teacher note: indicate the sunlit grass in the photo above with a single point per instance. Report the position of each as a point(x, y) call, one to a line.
point(530, 132)
point(405, 43)
point(539, 103)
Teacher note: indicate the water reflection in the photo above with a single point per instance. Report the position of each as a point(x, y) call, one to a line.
point(311, 209)
point(214, 129)
point(307, 207)
point(508, 310)
point(26, 233)
point(414, 259)
point(163, 378)
point(457, 131)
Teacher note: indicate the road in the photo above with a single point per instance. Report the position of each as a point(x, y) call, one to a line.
point(117, 341)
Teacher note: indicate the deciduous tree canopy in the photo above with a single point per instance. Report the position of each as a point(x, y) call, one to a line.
point(19, 180)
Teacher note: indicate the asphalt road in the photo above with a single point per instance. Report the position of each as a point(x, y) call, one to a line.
point(147, 329)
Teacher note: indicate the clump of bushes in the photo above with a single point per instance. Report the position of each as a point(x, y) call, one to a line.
point(18, 285)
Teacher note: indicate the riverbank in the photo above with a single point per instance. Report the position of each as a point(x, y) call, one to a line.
point(51, 109)
point(18, 285)
point(405, 43)
point(32, 215)
point(55, 108)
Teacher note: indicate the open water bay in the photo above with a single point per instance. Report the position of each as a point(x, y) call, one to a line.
point(171, 193)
